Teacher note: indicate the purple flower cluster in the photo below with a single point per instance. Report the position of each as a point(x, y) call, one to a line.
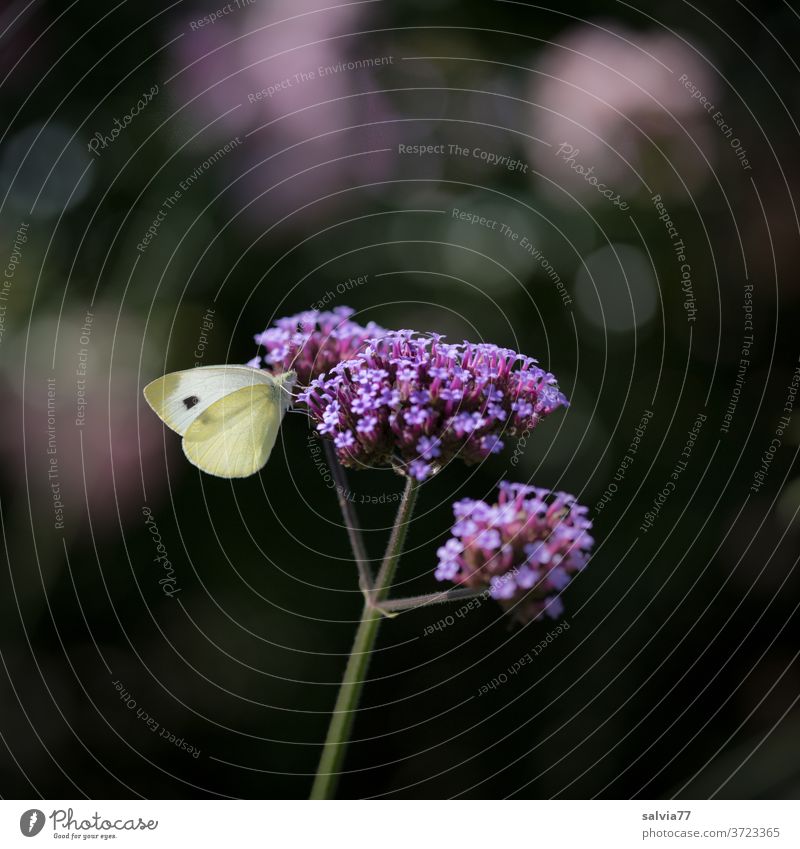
point(414, 402)
point(312, 342)
point(524, 550)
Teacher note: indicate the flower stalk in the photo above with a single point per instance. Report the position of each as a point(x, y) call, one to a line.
point(397, 605)
point(344, 710)
point(350, 518)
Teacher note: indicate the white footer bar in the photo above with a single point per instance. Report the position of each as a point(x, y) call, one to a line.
point(402, 824)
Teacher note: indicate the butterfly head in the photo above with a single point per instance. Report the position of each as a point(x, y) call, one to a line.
point(285, 383)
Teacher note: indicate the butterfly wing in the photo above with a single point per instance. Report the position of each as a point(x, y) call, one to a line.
point(234, 437)
point(180, 397)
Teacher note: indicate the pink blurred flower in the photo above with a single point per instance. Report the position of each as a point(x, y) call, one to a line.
point(74, 435)
point(284, 64)
point(603, 89)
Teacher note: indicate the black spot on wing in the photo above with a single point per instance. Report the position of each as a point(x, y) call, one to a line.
point(191, 401)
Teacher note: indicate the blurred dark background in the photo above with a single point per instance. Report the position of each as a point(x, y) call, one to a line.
point(678, 674)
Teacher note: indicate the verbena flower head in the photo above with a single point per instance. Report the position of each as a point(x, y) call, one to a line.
point(414, 402)
point(312, 342)
point(524, 549)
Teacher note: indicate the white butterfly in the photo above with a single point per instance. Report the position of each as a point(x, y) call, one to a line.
point(228, 416)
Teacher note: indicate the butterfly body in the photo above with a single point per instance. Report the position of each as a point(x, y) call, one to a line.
point(228, 416)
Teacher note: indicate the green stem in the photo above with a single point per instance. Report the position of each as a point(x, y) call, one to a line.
point(350, 518)
point(396, 541)
point(415, 601)
point(355, 672)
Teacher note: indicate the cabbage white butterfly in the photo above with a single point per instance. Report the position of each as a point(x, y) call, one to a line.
point(228, 416)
